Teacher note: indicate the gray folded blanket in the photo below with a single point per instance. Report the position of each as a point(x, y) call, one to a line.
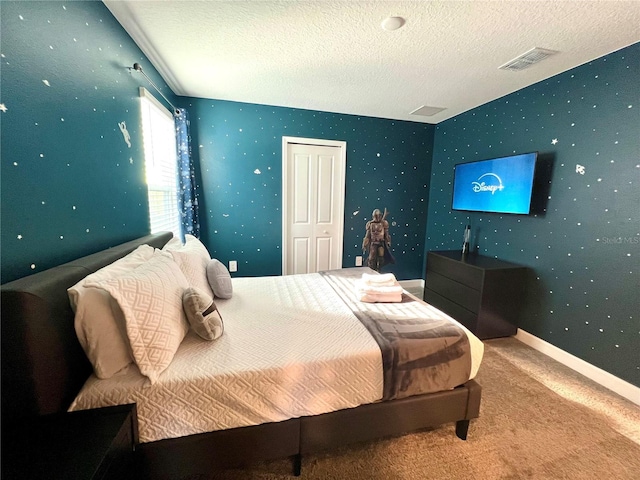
point(423, 351)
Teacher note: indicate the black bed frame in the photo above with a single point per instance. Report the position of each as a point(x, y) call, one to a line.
point(44, 367)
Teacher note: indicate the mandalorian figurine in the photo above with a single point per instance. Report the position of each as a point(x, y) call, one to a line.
point(377, 241)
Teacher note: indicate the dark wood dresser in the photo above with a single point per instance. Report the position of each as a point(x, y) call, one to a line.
point(483, 293)
point(88, 444)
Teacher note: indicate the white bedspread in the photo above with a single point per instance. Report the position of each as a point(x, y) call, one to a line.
point(286, 352)
point(291, 347)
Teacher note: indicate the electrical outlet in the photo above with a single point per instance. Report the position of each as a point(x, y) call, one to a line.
point(233, 266)
point(359, 261)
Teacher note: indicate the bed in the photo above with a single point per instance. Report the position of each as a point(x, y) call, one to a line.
point(45, 370)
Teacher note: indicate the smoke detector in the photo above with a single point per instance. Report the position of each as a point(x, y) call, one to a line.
point(527, 59)
point(392, 23)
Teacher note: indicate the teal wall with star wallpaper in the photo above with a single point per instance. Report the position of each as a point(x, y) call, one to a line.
point(70, 183)
point(240, 155)
point(584, 249)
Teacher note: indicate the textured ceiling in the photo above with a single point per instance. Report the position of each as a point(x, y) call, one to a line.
point(334, 56)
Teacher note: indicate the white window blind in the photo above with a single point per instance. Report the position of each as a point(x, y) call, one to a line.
point(161, 168)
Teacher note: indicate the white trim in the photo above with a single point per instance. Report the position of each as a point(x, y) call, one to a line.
point(607, 380)
point(412, 284)
point(315, 141)
point(343, 181)
point(147, 95)
point(123, 14)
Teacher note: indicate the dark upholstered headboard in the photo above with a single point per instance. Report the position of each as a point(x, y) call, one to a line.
point(43, 364)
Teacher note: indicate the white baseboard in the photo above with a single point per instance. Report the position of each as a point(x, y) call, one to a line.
point(410, 284)
point(607, 380)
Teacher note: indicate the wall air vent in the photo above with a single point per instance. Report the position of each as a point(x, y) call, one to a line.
point(527, 59)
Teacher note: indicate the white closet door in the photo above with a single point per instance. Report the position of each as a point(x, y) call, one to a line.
point(313, 220)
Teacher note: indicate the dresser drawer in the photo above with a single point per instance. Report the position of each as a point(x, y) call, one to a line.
point(455, 270)
point(485, 294)
point(458, 293)
point(462, 315)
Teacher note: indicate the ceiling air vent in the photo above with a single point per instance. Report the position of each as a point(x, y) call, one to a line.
point(426, 111)
point(527, 59)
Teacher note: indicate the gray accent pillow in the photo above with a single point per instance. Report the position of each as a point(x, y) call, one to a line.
point(219, 279)
point(202, 314)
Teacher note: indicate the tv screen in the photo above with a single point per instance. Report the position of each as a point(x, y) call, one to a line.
point(500, 185)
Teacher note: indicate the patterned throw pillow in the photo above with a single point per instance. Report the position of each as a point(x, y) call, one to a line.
point(202, 314)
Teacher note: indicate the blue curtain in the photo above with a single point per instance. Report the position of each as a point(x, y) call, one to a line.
point(187, 193)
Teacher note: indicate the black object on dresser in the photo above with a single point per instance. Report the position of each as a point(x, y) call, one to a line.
point(483, 293)
point(87, 444)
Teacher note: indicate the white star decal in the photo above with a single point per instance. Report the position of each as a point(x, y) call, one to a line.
point(554, 141)
point(3, 107)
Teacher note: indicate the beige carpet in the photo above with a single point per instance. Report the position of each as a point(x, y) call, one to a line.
point(538, 419)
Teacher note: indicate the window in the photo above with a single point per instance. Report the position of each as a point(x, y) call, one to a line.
point(158, 129)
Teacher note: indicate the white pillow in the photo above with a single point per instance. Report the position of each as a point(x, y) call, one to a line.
point(150, 297)
point(99, 321)
point(173, 244)
point(192, 258)
point(192, 244)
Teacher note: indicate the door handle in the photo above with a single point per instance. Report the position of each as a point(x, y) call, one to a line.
point(325, 232)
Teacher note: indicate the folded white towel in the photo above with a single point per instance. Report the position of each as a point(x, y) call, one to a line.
point(388, 292)
point(363, 287)
point(380, 297)
point(379, 279)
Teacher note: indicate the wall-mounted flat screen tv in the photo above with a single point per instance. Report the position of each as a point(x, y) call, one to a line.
point(500, 185)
